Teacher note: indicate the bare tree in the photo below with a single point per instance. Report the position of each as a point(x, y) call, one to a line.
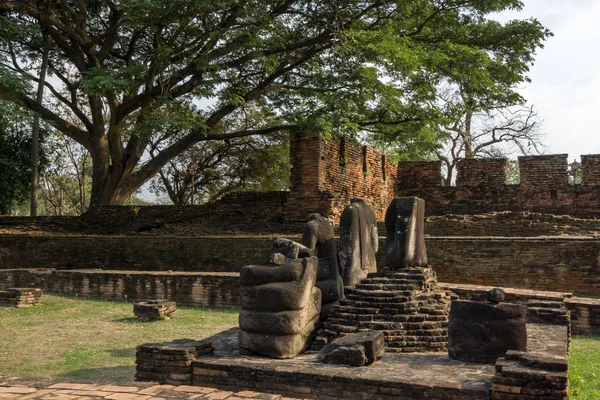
point(475, 133)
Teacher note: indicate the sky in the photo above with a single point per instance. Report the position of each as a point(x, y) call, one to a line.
point(565, 79)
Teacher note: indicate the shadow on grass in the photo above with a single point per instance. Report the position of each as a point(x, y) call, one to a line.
point(108, 374)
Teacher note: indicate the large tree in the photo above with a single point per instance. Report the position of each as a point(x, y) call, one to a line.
point(127, 68)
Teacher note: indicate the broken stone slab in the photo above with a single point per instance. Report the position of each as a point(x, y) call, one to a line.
point(405, 240)
point(483, 332)
point(356, 350)
point(359, 242)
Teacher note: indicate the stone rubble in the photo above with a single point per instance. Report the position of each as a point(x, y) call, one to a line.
point(20, 297)
point(154, 310)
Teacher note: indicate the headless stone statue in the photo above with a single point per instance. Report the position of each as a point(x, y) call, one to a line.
point(359, 242)
point(318, 236)
point(404, 225)
point(280, 307)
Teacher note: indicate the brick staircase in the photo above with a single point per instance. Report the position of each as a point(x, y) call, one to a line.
point(405, 305)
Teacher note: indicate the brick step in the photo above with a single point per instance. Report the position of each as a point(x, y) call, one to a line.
point(352, 317)
point(342, 328)
point(392, 325)
point(416, 339)
point(419, 284)
point(434, 310)
point(369, 299)
point(411, 286)
point(356, 310)
point(545, 304)
point(417, 332)
point(381, 324)
point(413, 276)
point(413, 347)
point(547, 311)
point(381, 293)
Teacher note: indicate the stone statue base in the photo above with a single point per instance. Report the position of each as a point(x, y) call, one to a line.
point(404, 304)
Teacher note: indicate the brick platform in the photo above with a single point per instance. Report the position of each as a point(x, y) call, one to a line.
point(396, 376)
point(20, 297)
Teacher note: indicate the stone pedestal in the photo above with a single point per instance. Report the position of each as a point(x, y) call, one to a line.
point(21, 297)
point(154, 310)
point(169, 363)
point(280, 308)
point(403, 304)
point(482, 332)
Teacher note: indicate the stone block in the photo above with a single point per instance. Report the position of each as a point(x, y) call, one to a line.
point(154, 310)
point(483, 332)
point(356, 350)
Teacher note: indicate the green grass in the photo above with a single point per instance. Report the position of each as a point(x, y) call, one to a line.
point(82, 339)
point(584, 368)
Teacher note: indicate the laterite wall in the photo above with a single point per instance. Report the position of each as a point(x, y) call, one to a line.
point(558, 264)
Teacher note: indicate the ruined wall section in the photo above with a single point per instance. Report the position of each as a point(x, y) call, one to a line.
point(348, 170)
point(480, 186)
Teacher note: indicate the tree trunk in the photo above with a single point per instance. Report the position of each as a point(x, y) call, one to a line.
point(35, 135)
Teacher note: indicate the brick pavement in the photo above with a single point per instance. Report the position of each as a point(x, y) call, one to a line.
point(23, 388)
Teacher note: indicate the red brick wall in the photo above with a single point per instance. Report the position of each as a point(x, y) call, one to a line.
point(480, 186)
point(590, 166)
point(489, 172)
point(348, 170)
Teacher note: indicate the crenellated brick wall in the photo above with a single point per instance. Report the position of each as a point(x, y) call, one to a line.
point(480, 186)
point(347, 170)
point(325, 175)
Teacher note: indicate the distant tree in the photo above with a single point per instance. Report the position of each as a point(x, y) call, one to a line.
point(66, 182)
point(488, 134)
point(513, 176)
point(15, 145)
point(212, 169)
point(127, 68)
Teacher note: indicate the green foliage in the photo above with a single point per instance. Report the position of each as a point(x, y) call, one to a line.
point(139, 67)
point(15, 149)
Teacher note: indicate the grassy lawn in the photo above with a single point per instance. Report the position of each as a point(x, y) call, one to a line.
point(584, 368)
point(82, 339)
